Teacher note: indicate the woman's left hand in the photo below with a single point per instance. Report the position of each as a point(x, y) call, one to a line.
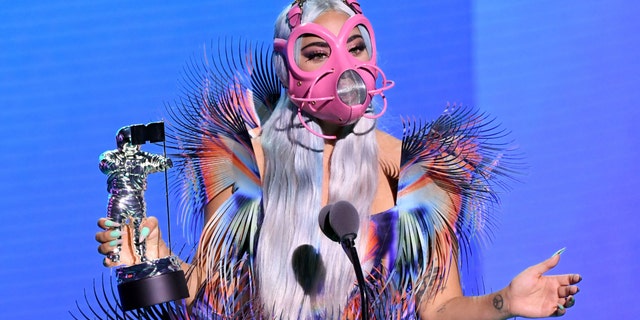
point(532, 294)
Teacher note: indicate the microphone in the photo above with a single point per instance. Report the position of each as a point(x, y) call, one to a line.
point(340, 222)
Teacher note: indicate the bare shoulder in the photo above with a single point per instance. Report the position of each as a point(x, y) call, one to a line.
point(389, 147)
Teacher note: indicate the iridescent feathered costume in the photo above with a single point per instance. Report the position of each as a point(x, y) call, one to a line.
point(446, 188)
point(448, 171)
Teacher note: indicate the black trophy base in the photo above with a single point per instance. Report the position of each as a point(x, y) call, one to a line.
point(153, 290)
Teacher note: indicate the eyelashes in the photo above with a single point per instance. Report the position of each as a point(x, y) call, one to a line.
point(317, 54)
point(358, 48)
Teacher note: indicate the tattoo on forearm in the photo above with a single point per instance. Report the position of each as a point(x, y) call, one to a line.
point(442, 308)
point(498, 302)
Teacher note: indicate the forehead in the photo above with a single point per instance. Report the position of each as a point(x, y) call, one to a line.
point(332, 20)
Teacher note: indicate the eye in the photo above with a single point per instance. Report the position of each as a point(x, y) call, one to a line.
point(314, 52)
point(357, 46)
point(315, 55)
point(358, 49)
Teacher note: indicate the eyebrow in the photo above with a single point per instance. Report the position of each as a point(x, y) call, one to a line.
point(354, 37)
point(322, 44)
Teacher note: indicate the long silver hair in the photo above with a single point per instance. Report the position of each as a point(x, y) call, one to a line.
point(293, 177)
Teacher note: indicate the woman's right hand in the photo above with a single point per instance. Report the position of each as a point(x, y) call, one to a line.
point(110, 237)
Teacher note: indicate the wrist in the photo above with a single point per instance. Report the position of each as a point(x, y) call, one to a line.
point(501, 302)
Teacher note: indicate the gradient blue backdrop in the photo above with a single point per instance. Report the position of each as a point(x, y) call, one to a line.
point(563, 76)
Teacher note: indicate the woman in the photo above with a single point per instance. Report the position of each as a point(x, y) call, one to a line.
point(259, 175)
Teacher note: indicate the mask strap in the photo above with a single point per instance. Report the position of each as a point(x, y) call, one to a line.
point(294, 17)
point(354, 5)
point(304, 124)
point(386, 84)
point(384, 108)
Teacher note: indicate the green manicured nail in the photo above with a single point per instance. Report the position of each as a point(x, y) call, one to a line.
point(115, 234)
point(560, 307)
point(114, 243)
point(559, 252)
point(110, 224)
point(144, 233)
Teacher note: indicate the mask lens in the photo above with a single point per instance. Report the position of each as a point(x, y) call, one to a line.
point(359, 43)
point(351, 88)
point(313, 52)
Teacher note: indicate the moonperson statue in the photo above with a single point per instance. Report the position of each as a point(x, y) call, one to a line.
point(148, 282)
point(127, 169)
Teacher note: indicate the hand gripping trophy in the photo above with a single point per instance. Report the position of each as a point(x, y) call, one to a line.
point(151, 281)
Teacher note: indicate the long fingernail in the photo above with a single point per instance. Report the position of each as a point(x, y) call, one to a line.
point(115, 234)
point(110, 224)
point(559, 252)
point(144, 233)
point(560, 307)
point(114, 243)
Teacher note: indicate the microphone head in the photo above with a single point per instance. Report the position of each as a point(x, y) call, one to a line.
point(325, 224)
point(339, 220)
point(344, 219)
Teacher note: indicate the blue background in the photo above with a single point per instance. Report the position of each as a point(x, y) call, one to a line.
point(563, 76)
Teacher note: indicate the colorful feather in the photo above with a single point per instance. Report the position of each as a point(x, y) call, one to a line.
point(449, 172)
point(212, 128)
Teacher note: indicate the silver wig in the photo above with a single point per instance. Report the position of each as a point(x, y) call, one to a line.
point(292, 198)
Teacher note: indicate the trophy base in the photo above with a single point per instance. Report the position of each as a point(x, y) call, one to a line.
point(151, 283)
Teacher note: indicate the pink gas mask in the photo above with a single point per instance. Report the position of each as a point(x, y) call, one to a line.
point(342, 86)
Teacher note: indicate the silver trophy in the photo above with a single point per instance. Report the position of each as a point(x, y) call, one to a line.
point(149, 282)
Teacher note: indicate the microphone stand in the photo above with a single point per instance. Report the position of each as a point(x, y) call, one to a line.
point(348, 245)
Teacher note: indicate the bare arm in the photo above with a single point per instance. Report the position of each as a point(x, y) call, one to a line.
point(196, 272)
point(531, 294)
point(449, 303)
